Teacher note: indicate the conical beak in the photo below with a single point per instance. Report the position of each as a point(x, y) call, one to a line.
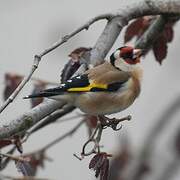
point(137, 52)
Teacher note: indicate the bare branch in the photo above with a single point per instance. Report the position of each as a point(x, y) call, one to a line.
point(51, 118)
point(14, 158)
point(153, 31)
point(38, 57)
point(62, 137)
point(29, 118)
point(117, 21)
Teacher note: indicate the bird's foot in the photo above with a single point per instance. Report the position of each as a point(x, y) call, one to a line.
point(112, 122)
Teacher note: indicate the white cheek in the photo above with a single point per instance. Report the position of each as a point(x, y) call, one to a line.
point(121, 64)
point(117, 54)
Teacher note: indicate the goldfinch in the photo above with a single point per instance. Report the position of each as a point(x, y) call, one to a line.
point(105, 89)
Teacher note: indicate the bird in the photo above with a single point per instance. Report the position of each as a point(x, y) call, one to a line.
point(105, 89)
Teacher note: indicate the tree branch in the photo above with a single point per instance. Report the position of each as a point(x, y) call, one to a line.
point(38, 57)
point(117, 21)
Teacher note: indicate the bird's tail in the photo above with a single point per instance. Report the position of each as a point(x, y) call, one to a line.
point(40, 94)
point(46, 93)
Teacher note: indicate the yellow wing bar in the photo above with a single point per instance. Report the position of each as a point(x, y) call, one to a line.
point(88, 88)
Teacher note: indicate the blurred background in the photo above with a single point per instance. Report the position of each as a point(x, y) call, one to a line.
point(28, 27)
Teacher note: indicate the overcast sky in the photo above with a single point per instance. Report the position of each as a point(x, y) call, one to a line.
point(27, 27)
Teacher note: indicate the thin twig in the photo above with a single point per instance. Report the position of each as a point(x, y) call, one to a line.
point(5, 162)
point(38, 57)
point(22, 84)
point(69, 133)
point(103, 122)
point(48, 120)
point(62, 137)
point(15, 158)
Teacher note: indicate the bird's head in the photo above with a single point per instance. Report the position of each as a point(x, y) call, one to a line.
point(125, 58)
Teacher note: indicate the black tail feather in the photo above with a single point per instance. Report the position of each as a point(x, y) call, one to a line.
point(41, 94)
point(47, 93)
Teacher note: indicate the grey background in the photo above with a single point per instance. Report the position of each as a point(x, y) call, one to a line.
point(27, 27)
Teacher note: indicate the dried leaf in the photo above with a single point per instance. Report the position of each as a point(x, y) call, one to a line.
point(38, 86)
point(5, 142)
point(91, 121)
point(137, 28)
point(160, 49)
point(72, 66)
point(168, 32)
point(105, 170)
point(69, 69)
point(95, 160)
point(24, 167)
point(100, 164)
point(11, 81)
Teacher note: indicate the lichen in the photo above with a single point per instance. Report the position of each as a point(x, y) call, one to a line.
point(27, 123)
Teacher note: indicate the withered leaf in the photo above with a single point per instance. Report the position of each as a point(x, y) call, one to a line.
point(104, 170)
point(24, 167)
point(69, 69)
point(137, 28)
point(168, 32)
point(91, 121)
point(73, 64)
point(95, 160)
point(100, 164)
point(5, 142)
point(160, 49)
point(11, 83)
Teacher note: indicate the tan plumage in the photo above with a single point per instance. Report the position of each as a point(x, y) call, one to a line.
point(105, 89)
point(107, 74)
point(110, 102)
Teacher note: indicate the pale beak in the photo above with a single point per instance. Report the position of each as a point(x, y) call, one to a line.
point(137, 53)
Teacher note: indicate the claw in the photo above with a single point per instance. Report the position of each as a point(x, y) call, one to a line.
point(114, 127)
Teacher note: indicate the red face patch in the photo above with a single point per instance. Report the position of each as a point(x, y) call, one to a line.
point(127, 50)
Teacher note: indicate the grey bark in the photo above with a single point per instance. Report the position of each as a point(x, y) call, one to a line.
point(106, 40)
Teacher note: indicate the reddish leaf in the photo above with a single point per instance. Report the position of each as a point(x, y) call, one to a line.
point(5, 142)
point(105, 170)
point(72, 66)
point(96, 161)
point(168, 32)
point(137, 28)
point(38, 86)
point(11, 81)
point(160, 49)
point(93, 161)
point(69, 69)
point(91, 121)
point(100, 164)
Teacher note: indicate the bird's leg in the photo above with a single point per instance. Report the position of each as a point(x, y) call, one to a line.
point(102, 123)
